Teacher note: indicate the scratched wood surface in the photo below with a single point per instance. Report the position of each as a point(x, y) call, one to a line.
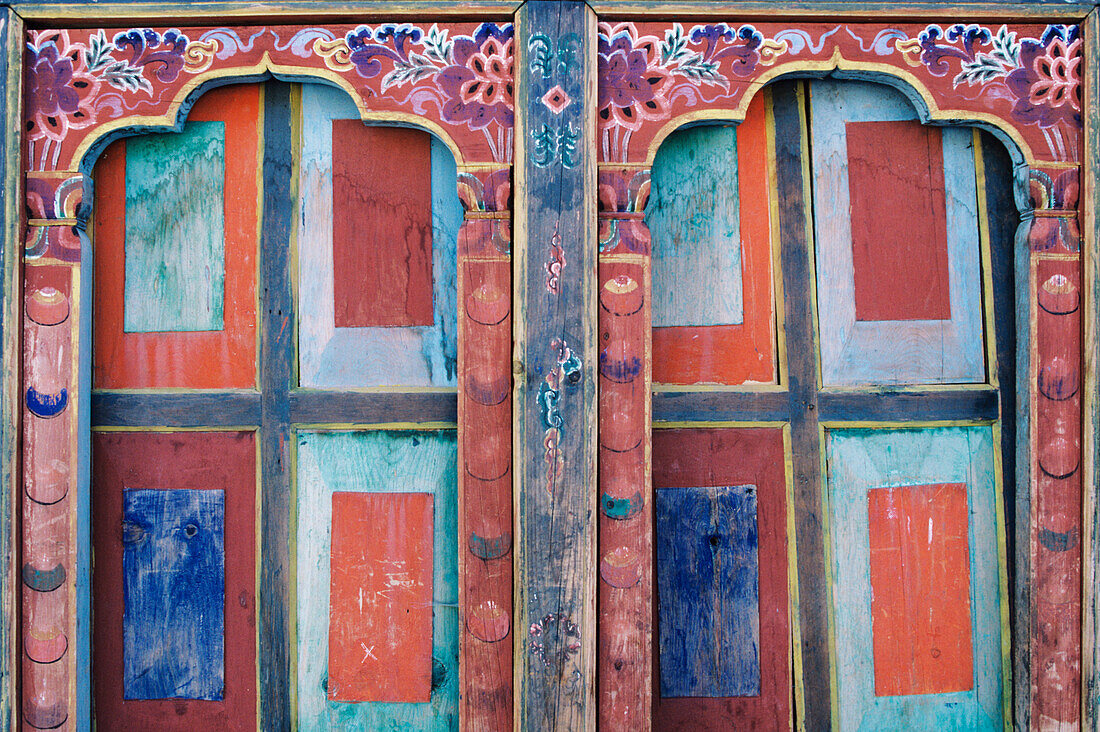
point(859, 462)
point(127, 300)
point(555, 397)
point(707, 561)
point(855, 351)
point(376, 463)
point(174, 603)
point(336, 353)
point(745, 352)
point(694, 218)
point(1090, 441)
point(173, 573)
point(175, 230)
point(698, 458)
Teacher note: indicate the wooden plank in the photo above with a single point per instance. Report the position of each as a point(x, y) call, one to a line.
point(173, 574)
point(175, 231)
point(331, 356)
point(219, 409)
point(11, 55)
point(899, 221)
point(555, 398)
point(212, 465)
point(733, 354)
point(381, 225)
point(687, 458)
point(380, 597)
point(792, 177)
point(720, 406)
point(371, 463)
point(276, 355)
point(1090, 442)
point(693, 216)
point(860, 461)
point(920, 589)
point(855, 352)
point(224, 358)
point(707, 570)
point(912, 406)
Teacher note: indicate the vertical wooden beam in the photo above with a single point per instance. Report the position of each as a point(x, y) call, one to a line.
point(11, 56)
point(1090, 439)
point(555, 395)
point(276, 357)
point(812, 641)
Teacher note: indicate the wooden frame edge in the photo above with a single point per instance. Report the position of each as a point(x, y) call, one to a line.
point(912, 11)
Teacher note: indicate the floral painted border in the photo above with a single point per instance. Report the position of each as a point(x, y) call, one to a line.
point(1026, 76)
point(457, 77)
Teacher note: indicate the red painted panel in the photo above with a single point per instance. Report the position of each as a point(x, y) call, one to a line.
point(899, 221)
point(381, 225)
point(200, 359)
point(734, 354)
point(920, 589)
point(164, 461)
point(380, 597)
point(717, 457)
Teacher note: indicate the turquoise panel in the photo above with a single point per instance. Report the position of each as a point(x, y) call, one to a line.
point(175, 230)
point(694, 217)
point(859, 460)
point(377, 461)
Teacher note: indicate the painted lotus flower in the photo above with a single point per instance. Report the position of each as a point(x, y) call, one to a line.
point(478, 83)
point(61, 92)
point(1047, 84)
point(631, 88)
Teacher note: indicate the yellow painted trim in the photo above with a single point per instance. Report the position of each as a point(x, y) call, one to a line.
point(164, 428)
point(751, 387)
point(804, 102)
point(176, 390)
point(257, 505)
point(51, 222)
point(986, 254)
point(299, 73)
point(900, 425)
point(1002, 574)
point(285, 12)
point(830, 11)
point(50, 261)
point(798, 708)
point(261, 145)
point(931, 113)
point(292, 579)
point(369, 426)
point(297, 120)
point(830, 579)
point(1054, 257)
point(376, 390)
point(906, 389)
point(53, 174)
point(703, 424)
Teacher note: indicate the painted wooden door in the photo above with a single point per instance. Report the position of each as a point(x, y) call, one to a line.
point(281, 368)
point(829, 333)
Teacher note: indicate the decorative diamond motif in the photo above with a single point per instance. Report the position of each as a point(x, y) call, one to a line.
point(556, 100)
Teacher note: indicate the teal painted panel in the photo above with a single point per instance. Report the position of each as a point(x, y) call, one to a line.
point(858, 461)
point(901, 351)
point(331, 357)
point(694, 217)
point(377, 461)
point(175, 230)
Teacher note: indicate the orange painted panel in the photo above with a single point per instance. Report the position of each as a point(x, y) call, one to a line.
point(196, 359)
point(920, 588)
point(734, 354)
point(380, 597)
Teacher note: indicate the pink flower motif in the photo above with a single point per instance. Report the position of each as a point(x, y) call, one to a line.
point(491, 84)
point(1058, 83)
point(60, 90)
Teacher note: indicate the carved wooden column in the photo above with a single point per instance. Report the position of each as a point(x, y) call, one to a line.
point(626, 505)
point(485, 447)
point(555, 437)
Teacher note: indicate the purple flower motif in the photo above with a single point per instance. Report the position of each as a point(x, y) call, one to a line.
point(631, 88)
point(364, 52)
point(1047, 85)
point(478, 83)
point(60, 94)
point(164, 53)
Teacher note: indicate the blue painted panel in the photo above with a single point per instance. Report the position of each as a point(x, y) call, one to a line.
point(328, 356)
point(175, 230)
point(173, 566)
point(860, 460)
point(694, 217)
point(377, 461)
point(708, 588)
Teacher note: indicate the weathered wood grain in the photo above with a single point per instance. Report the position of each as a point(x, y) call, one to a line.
point(180, 470)
point(556, 410)
point(173, 574)
point(890, 352)
point(374, 462)
point(175, 230)
point(341, 357)
point(276, 356)
point(701, 457)
point(860, 461)
point(224, 356)
point(707, 581)
point(380, 597)
point(728, 354)
point(694, 218)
